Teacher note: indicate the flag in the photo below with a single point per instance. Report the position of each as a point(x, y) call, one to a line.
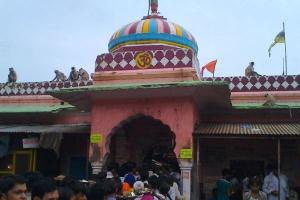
point(280, 38)
point(209, 67)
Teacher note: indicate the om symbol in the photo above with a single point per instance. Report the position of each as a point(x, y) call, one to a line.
point(143, 60)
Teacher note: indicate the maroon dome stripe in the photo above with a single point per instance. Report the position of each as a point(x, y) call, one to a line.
point(166, 27)
point(132, 29)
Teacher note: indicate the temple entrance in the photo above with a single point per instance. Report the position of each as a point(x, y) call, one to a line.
point(142, 139)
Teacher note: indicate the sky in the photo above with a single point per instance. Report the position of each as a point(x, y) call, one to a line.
point(39, 36)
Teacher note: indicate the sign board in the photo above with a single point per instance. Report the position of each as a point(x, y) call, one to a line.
point(30, 143)
point(186, 153)
point(96, 138)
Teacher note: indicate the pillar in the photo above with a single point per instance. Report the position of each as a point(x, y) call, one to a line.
point(186, 177)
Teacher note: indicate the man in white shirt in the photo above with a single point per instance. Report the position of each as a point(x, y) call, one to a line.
point(271, 185)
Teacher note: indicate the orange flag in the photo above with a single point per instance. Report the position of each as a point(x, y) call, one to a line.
point(209, 67)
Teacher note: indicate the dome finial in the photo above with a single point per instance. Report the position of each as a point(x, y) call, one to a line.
point(154, 6)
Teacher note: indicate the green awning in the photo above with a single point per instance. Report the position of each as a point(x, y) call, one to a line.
point(56, 128)
point(249, 106)
point(10, 108)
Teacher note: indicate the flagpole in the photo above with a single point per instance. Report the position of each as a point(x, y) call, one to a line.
point(283, 66)
point(285, 49)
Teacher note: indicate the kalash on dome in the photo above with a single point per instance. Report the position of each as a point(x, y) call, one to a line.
point(149, 50)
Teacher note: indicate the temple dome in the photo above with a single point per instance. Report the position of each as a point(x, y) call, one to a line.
point(150, 30)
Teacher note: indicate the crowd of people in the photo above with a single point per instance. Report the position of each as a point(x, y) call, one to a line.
point(273, 186)
point(126, 182)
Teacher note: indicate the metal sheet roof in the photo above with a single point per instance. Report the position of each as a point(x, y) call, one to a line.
point(57, 128)
point(250, 129)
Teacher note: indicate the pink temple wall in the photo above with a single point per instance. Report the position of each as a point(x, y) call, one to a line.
point(178, 113)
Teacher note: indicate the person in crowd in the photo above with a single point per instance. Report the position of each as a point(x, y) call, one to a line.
point(136, 173)
point(236, 192)
point(164, 189)
point(172, 191)
point(112, 170)
point(109, 189)
point(31, 178)
point(97, 192)
point(224, 185)
point(293, 195)
point(214, 194)
point(176, 179)
point(44, 190)
point(65, 193)
point(129, 180)
point(144, 176)
point(245, 182)
point(117, 185)
point(271, 184)
point(153, 189)
point(13, 188)
point(138, 188)
point(1, 196)
point(255, 193)
point(80, 191)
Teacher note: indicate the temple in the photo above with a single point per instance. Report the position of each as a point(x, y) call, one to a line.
point(145, 99)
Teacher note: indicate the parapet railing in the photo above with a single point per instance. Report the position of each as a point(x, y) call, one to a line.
point(38, 88)
point(236, 84)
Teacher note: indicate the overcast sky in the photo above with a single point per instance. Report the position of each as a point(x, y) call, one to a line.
point(39, 36)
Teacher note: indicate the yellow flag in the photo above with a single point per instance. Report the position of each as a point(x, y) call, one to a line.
point(280, 38)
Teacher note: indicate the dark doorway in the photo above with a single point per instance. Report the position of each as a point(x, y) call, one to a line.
point(78, 167)
point(47, 162)
point(244, 168)
point(142, 139)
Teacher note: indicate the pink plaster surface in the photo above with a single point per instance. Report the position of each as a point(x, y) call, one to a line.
point(145, 76)
point(179, 114)
point(29, 99)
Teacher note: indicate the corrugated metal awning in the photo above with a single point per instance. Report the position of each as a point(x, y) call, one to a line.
point(249, 129)
point(57, 128)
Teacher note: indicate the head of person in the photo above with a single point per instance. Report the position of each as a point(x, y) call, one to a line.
point(1, 196)
point(144, 175)
point(80, 191)
point(101, 176)
point(153, 182)
point(251, 63)
point(65, 193)
point(31, 178)
point(130, 179)
point(73, 68)
point(170, 180)
point(97, 192)
point(13, 188)
point(138, 187)
point(226, 173)
point(117, 184)
point(113, 167)
point(44, 190)
point(272, 168)
point(109, 188)
point(164, 188)
point(255, 184)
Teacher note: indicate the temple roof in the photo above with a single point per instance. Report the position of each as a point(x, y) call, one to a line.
point(152, 29)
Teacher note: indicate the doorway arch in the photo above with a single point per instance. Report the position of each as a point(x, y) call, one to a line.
point(142, 139)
